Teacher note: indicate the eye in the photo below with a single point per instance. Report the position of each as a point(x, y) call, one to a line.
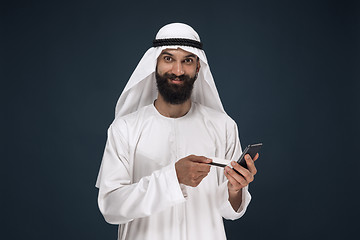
point(167, 58)
point(189, 60)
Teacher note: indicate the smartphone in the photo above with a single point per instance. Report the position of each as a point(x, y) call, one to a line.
point(251, 150)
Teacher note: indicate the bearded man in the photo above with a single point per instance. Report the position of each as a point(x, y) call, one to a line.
point(155, 180)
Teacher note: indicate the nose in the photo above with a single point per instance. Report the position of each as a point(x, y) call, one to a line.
point(177, 69)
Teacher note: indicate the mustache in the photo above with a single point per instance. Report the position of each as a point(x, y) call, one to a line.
point(172, 76)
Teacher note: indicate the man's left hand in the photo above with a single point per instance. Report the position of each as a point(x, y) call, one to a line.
point(237, 181)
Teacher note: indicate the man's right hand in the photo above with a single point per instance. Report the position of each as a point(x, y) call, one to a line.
point(192, 169)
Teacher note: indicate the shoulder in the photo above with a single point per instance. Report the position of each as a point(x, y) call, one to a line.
point(214, 115)
point(133, 118)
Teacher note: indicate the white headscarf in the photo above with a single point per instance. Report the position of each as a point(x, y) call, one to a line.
point(141, 88)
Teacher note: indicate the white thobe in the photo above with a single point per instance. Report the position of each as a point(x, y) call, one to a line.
point(138, 185)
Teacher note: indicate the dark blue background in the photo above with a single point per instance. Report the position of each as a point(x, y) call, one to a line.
point(286, 71)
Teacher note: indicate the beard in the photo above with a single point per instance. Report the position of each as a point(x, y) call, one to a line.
point(175, 93)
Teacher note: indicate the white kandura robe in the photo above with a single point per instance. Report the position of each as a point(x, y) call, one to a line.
point(138, 186)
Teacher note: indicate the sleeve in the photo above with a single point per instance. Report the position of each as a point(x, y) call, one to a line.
point(233, 153)
point(119, 199)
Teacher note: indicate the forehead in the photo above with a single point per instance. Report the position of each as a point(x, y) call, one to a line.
point(177, 52)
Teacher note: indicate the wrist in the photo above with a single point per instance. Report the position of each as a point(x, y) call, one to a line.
point(235, 193)
point(233, 190)
point(235, 198)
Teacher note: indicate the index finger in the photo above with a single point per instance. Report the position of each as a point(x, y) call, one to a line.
point(202, 167)
point(199, 159)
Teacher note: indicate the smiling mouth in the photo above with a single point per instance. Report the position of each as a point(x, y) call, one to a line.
point(176, 81)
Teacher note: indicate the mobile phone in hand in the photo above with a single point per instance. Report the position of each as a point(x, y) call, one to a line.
point(251, 150)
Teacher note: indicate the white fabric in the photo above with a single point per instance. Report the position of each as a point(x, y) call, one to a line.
point(141, 88)
point(138, 186)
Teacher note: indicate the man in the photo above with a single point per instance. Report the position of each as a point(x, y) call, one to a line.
point(155, 180)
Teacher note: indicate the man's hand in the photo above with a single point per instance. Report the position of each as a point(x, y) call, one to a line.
point(237, 181)
point(192, 169)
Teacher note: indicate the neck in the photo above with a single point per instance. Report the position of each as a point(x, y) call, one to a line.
point(172, 110)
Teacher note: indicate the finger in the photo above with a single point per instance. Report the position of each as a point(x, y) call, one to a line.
point(202, 167)
point(234, 182)
point(253, 159)
point(239, 168)
point(239, 178)
point(199, 159)
point(249, 177)
point(250, 164)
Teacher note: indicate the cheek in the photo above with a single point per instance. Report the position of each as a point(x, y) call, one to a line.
point(161, 69)
point(191, 71)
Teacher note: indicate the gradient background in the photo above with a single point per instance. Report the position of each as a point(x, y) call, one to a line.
point(286, 71)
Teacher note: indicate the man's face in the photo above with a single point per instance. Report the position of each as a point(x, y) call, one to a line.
point(176, 73)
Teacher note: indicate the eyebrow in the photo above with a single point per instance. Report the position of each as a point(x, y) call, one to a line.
point(191, 55)
point(187, 56)
point(163, 53)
